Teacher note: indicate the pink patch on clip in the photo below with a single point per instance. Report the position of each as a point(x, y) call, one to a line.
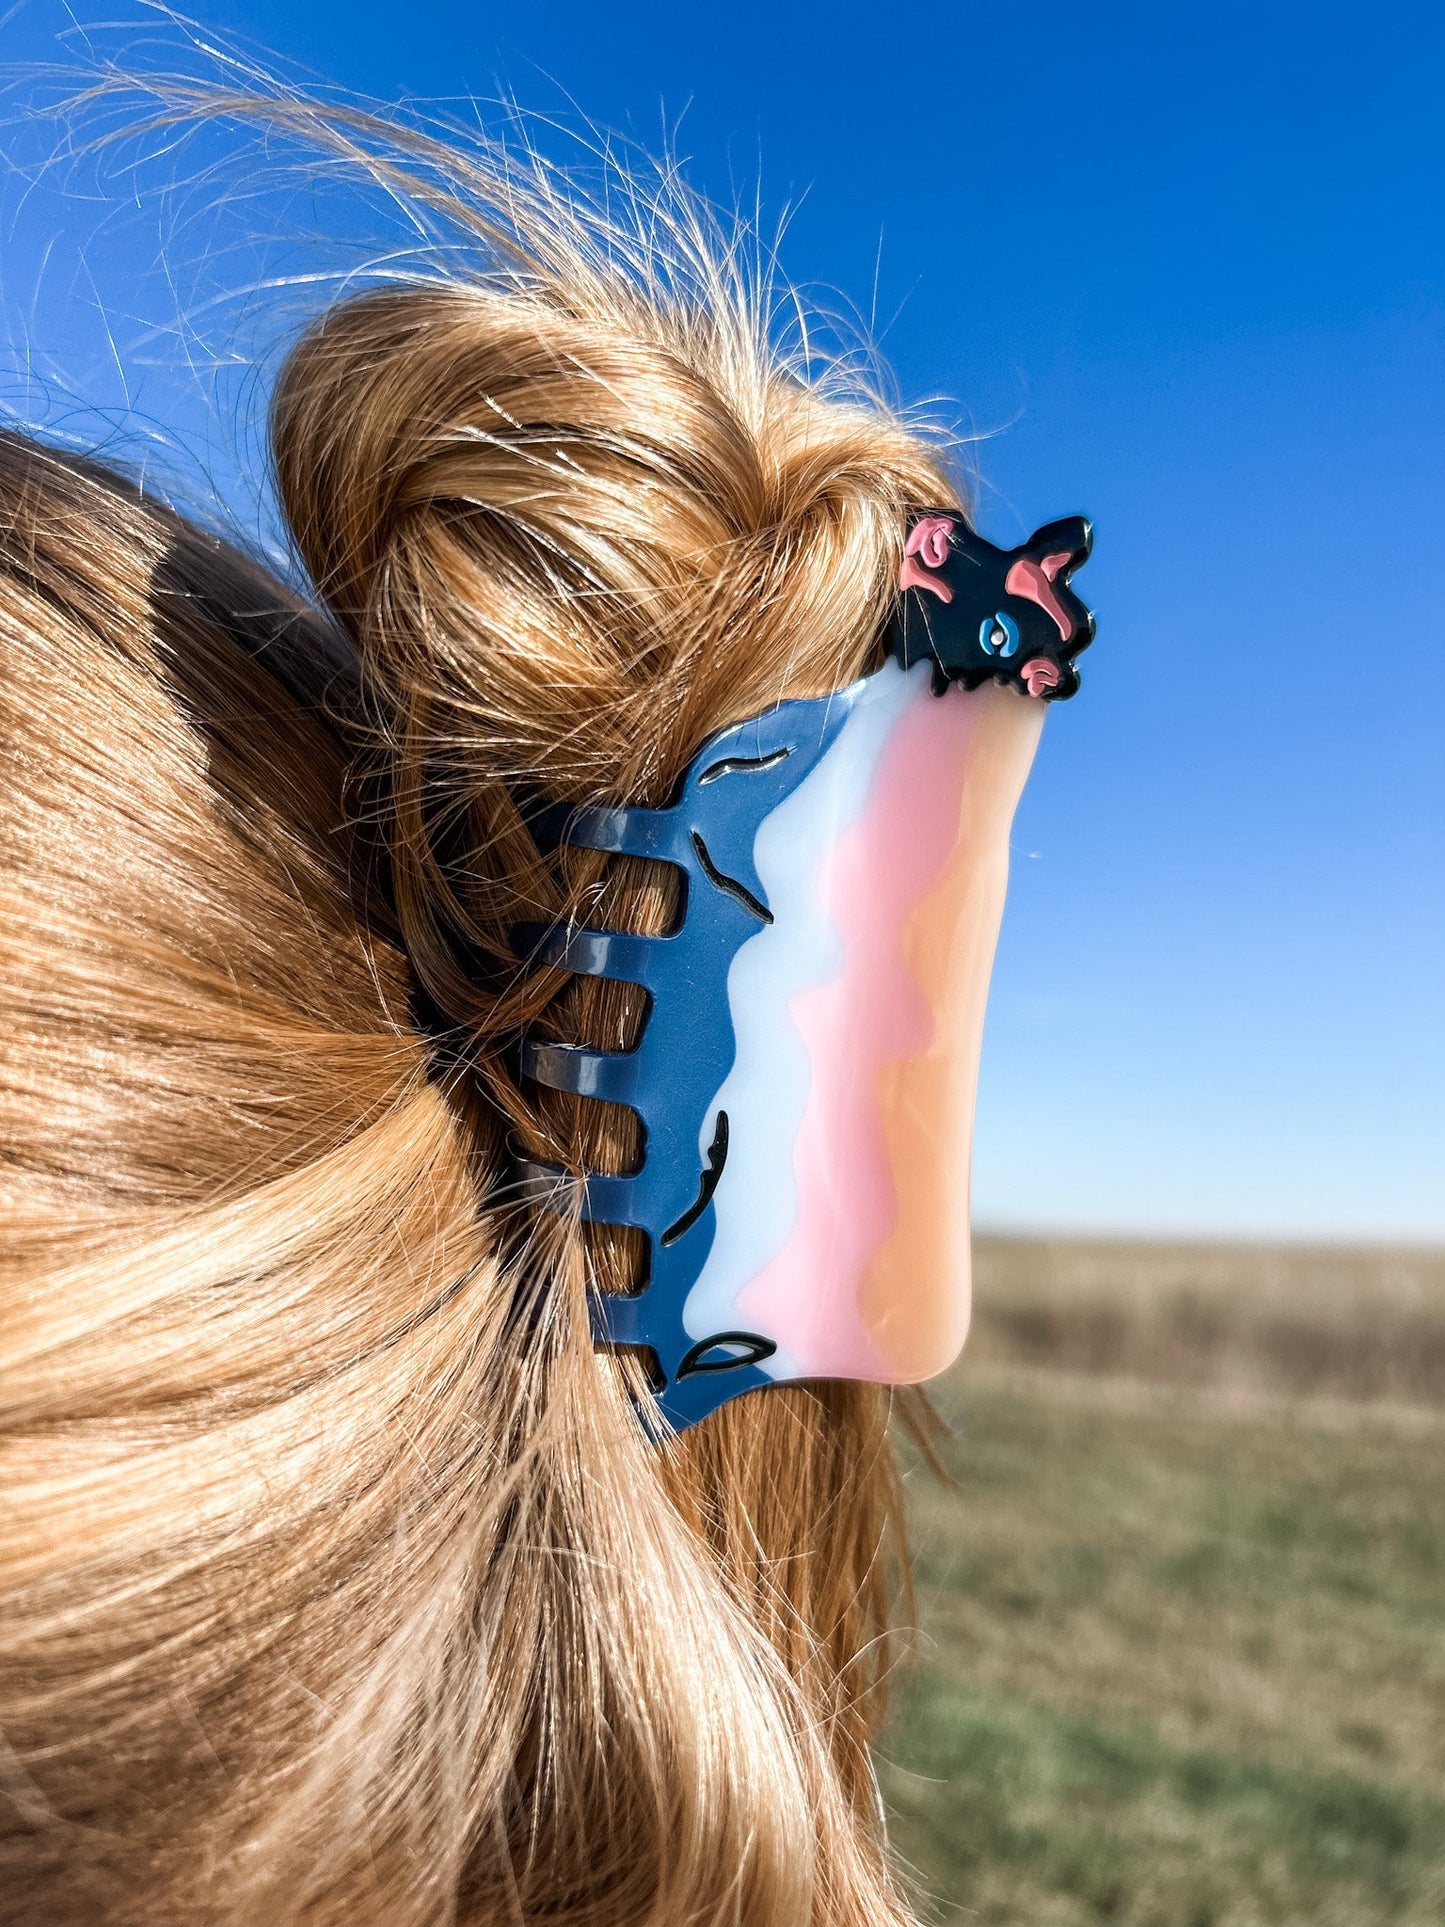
point(1040, 675)
point(1034, 582)
point(870, 1015)
point(928, 539)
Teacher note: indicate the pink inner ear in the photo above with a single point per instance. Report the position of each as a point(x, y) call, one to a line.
point(910, 576)
point(1034, 582)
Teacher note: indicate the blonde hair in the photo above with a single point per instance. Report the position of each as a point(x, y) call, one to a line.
point(339, 1579)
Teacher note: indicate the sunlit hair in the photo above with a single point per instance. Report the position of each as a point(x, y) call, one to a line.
point(341, 1580)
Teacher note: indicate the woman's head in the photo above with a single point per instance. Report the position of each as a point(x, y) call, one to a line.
point(339, 1579)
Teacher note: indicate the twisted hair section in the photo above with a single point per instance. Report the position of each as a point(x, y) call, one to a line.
point(339, 1579)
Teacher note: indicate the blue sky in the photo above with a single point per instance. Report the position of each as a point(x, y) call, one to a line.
point(1182, 269)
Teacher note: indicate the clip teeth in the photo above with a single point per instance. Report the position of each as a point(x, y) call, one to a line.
point(619, 1318)
point(610, 1075)
point(587, 953)
point(604, 1199)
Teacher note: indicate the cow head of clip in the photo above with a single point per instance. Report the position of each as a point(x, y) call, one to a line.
point(804, 1073)
point(985, 614)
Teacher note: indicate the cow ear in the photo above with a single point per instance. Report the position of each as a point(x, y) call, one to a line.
point(1073, 536)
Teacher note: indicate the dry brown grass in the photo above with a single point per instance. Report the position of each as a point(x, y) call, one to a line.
point(1326, 1321)
point(1182, 1659)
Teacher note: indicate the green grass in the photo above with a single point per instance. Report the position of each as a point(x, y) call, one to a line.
point(1182, 1659)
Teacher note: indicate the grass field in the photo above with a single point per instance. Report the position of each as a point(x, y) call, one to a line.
point(1182, 1655)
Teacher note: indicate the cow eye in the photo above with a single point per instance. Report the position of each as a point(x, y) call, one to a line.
point(998, 634)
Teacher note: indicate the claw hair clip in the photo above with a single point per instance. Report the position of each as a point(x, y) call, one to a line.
point(805, 1074)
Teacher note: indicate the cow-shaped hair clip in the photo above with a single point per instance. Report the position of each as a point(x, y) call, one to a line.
point(985, 614)
point(806, 1068)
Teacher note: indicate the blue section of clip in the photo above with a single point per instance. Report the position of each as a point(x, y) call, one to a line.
point(686, 1046)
